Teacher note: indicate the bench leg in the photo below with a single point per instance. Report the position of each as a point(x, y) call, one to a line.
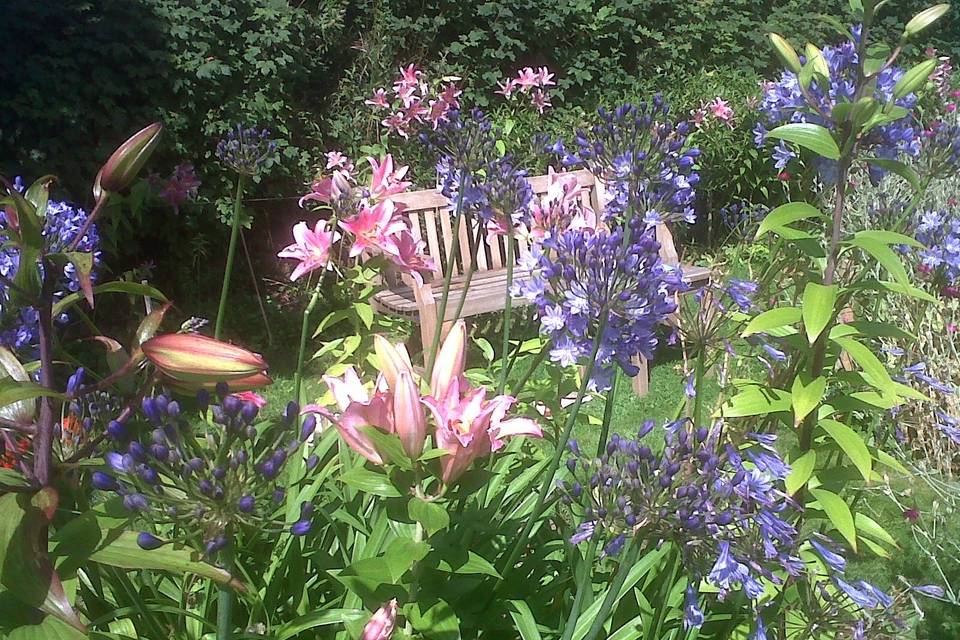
point(641, 381)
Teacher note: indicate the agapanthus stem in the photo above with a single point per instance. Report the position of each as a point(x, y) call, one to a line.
point(537, 361)
point(224, 613)
point(583, 585)
point(448, 274)
point(629, 558)
point(698, 385)
point(507, 304)
point(665, 589)
point(561, 444)
point(302, 351)
point(231, 252)
point(607, 415)
point(474, 243)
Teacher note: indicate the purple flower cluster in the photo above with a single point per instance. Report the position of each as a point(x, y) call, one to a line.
point(939, 231)
point(494, 189)
point(723, 508)
point(784, 102)
point(18, 326)
point(208, 484)
point(642, 158)
point(588, 282)
point(182, 186)
point(743, 218)
point(941, 149)
point(246, 151)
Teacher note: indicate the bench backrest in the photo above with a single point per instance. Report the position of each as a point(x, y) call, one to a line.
point(431, 215)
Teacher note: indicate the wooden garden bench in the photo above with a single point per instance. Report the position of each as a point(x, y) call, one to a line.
point(430, 215)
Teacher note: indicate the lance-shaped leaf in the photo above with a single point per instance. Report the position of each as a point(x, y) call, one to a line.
point(838, 513)
point(25, 568)
point(38, 194)
point(83, 268)
point(818, 301)
point(810, 136)
point(22, 411)
point(785, 214)
point(132, 288)
point(13, 391)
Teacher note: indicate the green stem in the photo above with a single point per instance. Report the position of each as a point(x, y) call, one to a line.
point(304, 330)
point(607, 415)
point(537, 361)
point(231, 252)
point(583, 585)
point(629, 558)
point(698, 387)
point(448, 274)
point(664, 595)
point(555, 460)
point(507, 303)
point(225, 605)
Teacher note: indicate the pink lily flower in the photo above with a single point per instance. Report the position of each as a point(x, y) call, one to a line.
point(311, 248)
point(408, 255)
point(379, 99)
point(506, 87)
point(336, 160)
point(357, 410)
point(540, 100)
point(328, 190)
point(469, 426)
point(410, 421)
point(546, 78)
point(371, 228)
point(721, 110)
point(249, 396)
point(450, 94)
point(561, 207)
point(386, 181)
point(398, 123)
point(527, 78)
point(409, 75)
point(381, 624)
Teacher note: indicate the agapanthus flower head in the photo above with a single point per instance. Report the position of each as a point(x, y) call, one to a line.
point(467, 140)
point(641, 156)
point(246, 150)
point(784, 102)
point(591, 284)
point(207, 483)
point(63, 221)
point(729, 520)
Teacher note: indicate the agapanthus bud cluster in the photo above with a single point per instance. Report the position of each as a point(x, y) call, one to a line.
point(86, 415)
point(208, 482)
point(63, 221)
point(415, 102)
point(643, 160)
point(939, 231)
point(784, 102)
point(246, 150)
point(590, 283)
point(723, 507)
point(532, 83)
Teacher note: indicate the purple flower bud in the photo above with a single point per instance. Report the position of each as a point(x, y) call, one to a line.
point(203, 400)
point(161, 402)
point(115, 461)
point(615, 546)
point(215, 545)
point(249, 412)
point(306, 510)
point(278, 495)
point(149, 541)
point(173, 409)
point(223, 390)
point(116, 430)
point(160, 452)
point(149, 406)
point(104, 481)
point(301, 527)
point(219, 473)
point(205, 487)
point(136, 502)
point(309, 426)
point(246, 504)
point(645, 429)
point(291, 411)
point(149, 475)
point(219, 415)
point(268, 469)
point(241, 456)
point(137, 451)
point(312, 461)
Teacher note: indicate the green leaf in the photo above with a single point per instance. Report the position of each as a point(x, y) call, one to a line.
point(20, 622)
point(439, 621)
point(924, 19)
point(785, 214)
point(852, 444)
point(756, 401)
point(365, 311)
point(319, 619)
point(13, 391)
point(432, 516)
point(915, 78)
point(869, 526)
point(25, 568)
point(369, 482)
point(131, 288)
point(889, 237)
point(887, 460)
point(839, 514)
point(12, 370)
point(523, 620)
point(818, 302)
point(883, 254)
point(810, 136)
point(772, 319)
point(388, 445)
point(873, 370)
point(800, 471)
point(469, 563)
point(38, 194)
point(905, 171)
point(806, 398)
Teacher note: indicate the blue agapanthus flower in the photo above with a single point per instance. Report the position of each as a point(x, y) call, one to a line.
point(939, 231)
point(63, 221)
point(784, 102)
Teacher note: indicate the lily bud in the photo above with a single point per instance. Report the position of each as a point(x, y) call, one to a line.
point(380, 626)
point(450, 360)
point(393, 359)
point(409, 417)
point(127, 161)
point(193, 361)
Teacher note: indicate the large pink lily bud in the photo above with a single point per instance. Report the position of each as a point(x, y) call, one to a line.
point(392, 358)
point(193, 360)
point(450, 360)
point(381, 624)
point(127, 161)
point(410, 420)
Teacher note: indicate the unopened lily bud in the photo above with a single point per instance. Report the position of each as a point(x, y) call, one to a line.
point(191, 361)
point(409, 416)
point(381, 624)
point(450, 360)
point(392, 358)
point(127, 161)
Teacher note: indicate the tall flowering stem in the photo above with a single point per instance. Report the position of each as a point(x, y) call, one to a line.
point(302, 350)
point(507, 308)
point(231, 252)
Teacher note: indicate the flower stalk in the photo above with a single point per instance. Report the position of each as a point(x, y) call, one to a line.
point(231, 252)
